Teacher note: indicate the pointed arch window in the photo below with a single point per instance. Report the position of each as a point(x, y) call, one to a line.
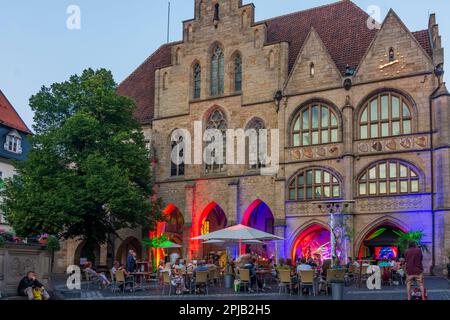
point(217, 72)
point(314, 184)
point(217, 120)
point(390, 177)
point(238, 73)
point(177, 168)
point(197, 81)
point(385, 115)
point(315, 124)
point(256, 124)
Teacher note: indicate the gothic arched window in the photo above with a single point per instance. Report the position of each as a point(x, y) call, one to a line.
point(217, 72)
point(238, 73)
point(314, 184)
point(388, 177)
point(177, 168)
point(315, 124)
point(197, 81)
point(217, 120)
point(256, 124)
point(385, 115)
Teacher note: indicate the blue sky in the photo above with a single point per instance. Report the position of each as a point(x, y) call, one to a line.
point(37, 48)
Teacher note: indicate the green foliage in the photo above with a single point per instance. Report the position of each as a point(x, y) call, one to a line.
point(2, 241)
point(52, 244)
point(155, 242)
point(404, 239)
point(88, 173)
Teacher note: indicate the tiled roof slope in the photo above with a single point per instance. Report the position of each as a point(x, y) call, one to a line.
point(9, 116)
point(140, 85)
point(342, 26)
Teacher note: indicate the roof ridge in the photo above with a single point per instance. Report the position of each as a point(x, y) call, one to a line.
point(307, 10)
point(11, 107)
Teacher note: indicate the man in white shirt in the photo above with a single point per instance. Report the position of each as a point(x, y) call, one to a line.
point(303, 266)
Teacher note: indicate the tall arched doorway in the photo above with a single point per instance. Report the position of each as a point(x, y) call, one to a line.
point(212, 219)
point(313, 242)
point(130, 243)
point(82, 255)
point(380, 242)
point(172, 227)
point(259, 216)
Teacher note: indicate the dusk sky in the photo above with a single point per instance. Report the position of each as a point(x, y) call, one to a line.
point(38, 49)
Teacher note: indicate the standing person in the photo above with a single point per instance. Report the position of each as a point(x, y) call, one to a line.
point(414, 268)
point(131, 261)
point(30, 283)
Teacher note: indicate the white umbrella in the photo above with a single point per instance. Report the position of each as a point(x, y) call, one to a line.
point(213, 242)
point(238, 233)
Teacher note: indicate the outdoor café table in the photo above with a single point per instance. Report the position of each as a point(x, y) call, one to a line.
point(140, 279)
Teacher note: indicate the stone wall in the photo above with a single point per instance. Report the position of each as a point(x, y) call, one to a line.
point(17, 260)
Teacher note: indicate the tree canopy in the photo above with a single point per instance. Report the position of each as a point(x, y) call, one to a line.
point(88, 173)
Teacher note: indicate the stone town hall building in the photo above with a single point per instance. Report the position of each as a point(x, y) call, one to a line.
point(362, 114)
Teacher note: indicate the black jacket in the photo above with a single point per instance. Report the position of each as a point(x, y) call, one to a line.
point(27, 283)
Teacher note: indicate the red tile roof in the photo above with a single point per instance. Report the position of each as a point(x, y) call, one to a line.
point(9, 116)
point(140, 85)
point(342, 26)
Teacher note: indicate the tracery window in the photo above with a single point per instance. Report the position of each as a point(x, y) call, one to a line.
point(385, 115)
point(314, 184)
point(388, 177)
point(315, 124)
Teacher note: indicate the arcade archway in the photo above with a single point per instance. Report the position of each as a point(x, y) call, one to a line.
point(172, 227)
point(130, 243)
point(213, 218)
point(83, 254)
point(259, 216)
point(380, 242)
point(313, 242)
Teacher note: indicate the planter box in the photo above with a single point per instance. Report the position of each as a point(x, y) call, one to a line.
point(16, 260)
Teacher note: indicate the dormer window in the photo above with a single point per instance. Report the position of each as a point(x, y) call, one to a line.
point(391, 54)
point(13, 142)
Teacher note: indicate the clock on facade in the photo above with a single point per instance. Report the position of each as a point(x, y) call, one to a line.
point(392, 64)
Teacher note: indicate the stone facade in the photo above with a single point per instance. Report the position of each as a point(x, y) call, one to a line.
point(316, 74)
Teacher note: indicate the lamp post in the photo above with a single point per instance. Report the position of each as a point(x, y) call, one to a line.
point(333, 207)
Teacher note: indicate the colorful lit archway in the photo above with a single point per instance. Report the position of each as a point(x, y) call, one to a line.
point(211, 219)
point(259, 216)
point(380, 241)
point(172, 227)
point(313, 242)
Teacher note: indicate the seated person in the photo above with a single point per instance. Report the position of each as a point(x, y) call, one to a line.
point(201, 266)
point(303, 266)
point(349, 263)
point(250, 265)
point(337, 264)
point(117, 266)
point(384, 263)
point(100, 276)
point(29, 287)
point(312, 263)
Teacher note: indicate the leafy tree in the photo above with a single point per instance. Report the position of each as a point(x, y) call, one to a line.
point(88, 173)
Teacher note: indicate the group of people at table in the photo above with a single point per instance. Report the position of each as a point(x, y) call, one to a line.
point(182, 273)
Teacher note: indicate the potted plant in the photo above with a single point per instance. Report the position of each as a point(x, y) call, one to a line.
point(404, 239)
point(43, 239)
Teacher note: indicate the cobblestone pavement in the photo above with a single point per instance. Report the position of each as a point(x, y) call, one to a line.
point(438, 289)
